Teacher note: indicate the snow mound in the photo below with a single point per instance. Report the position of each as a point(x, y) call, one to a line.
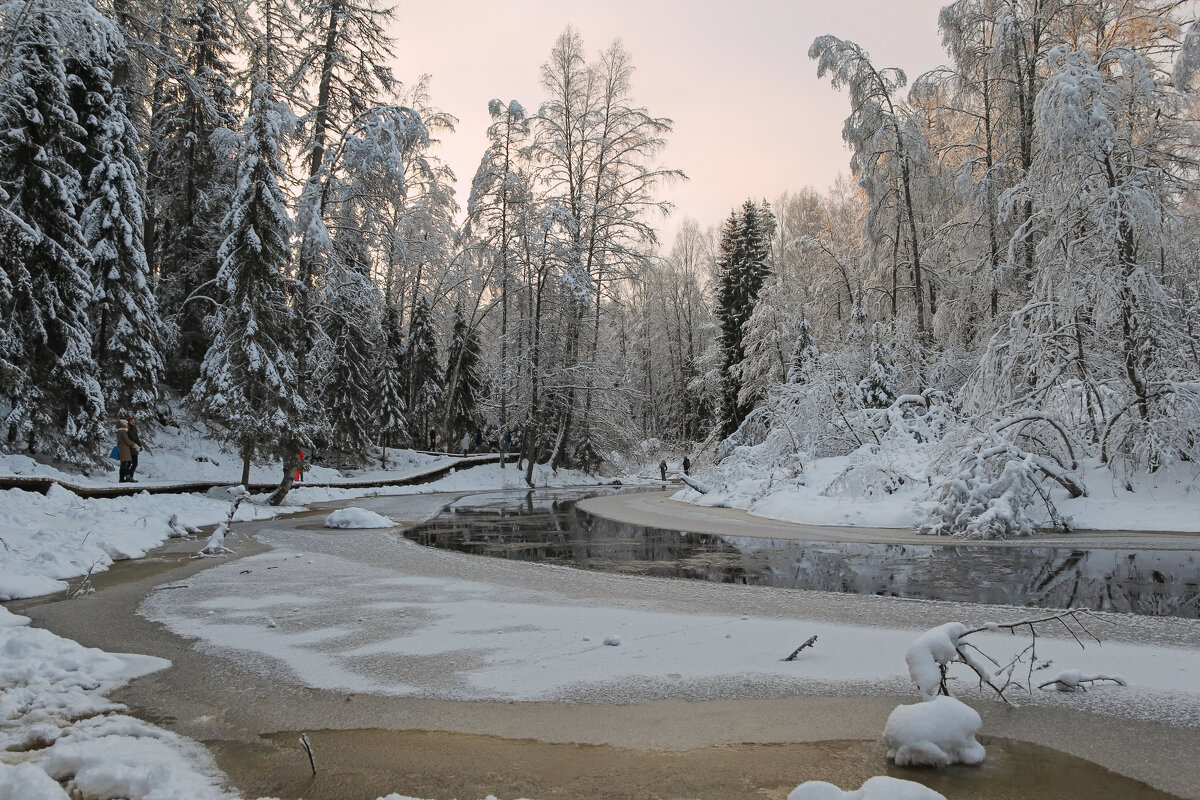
point(934, 733)
point(27, 782)
point(881, 787)
point(357, 518)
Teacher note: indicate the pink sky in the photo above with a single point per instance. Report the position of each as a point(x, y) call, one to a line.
point(751, 118)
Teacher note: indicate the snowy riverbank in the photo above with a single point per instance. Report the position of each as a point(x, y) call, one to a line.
point(372, 614)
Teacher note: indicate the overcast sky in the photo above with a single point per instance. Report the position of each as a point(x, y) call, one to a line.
point(751, 118)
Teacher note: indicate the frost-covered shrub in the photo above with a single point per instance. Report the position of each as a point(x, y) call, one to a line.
point(934, 733)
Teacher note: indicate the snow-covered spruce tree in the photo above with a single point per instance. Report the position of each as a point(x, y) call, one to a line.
point(190, 182)
point(130, 336)
point(343, 63)
point(424, 373)
point(741, 270)
point(391, 407)
point(804, 355)
point(350, 314)
point(463, 382)
point(248, 383)
point(877, 389)
point(768, 338)
point(56, 404)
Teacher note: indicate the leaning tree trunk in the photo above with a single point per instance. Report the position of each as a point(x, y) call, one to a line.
point(290, 463)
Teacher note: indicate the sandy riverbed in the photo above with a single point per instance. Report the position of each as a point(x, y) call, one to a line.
point(756, 742)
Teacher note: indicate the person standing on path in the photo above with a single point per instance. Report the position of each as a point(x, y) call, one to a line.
point(126, 450)
point(505, 444)
point(136, 438)
point(662, 469)
point(466, 443)
point(687, 465)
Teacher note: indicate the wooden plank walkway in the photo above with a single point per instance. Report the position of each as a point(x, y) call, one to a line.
point(42, 485)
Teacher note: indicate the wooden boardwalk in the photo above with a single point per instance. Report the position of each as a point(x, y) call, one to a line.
point(42, 485)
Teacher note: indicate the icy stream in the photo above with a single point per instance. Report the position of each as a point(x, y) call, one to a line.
point(546, 526)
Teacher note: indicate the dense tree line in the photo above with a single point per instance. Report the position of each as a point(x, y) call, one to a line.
point(241, 206)
point(1012, 275)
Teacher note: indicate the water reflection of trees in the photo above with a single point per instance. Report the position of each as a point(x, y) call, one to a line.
point(1143, 582)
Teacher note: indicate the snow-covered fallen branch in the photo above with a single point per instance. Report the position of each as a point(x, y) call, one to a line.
point(180, 530)
point(216, 542)
point(695, 484)
point(1072, 680)
point(929, 657)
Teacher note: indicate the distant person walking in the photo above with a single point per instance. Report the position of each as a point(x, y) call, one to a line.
point(466, 443)
point(299, 468)
point(126, 448)
point(662, 468)
point(687, 465)
point(478, 441)
point(137, 440)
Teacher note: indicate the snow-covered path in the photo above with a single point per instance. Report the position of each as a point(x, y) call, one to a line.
point(659, 510)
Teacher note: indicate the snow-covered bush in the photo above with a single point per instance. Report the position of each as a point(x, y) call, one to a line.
point(1001, 476)
point(934, 733)
point(881, 787)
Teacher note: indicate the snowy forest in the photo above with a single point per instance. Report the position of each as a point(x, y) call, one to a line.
point(240, 205)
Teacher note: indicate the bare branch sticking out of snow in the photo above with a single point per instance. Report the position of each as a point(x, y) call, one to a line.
point(812, 640)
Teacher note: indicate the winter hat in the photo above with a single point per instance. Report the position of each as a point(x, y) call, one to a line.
point(122, 423)
point(130, 419)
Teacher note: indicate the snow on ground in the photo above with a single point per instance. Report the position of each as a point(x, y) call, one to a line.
point(376, 607)
point(49, 539)
point(881, 787)
point(57, 726)
point(381, 614)
point(866, 489)
point(357, 518)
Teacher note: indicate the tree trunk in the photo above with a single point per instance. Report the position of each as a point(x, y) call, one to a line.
point(289, 470)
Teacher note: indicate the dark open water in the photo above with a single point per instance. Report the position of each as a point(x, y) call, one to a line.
point(545, 526)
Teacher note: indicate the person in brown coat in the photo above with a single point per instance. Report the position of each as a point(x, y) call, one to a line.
point(126, 447)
